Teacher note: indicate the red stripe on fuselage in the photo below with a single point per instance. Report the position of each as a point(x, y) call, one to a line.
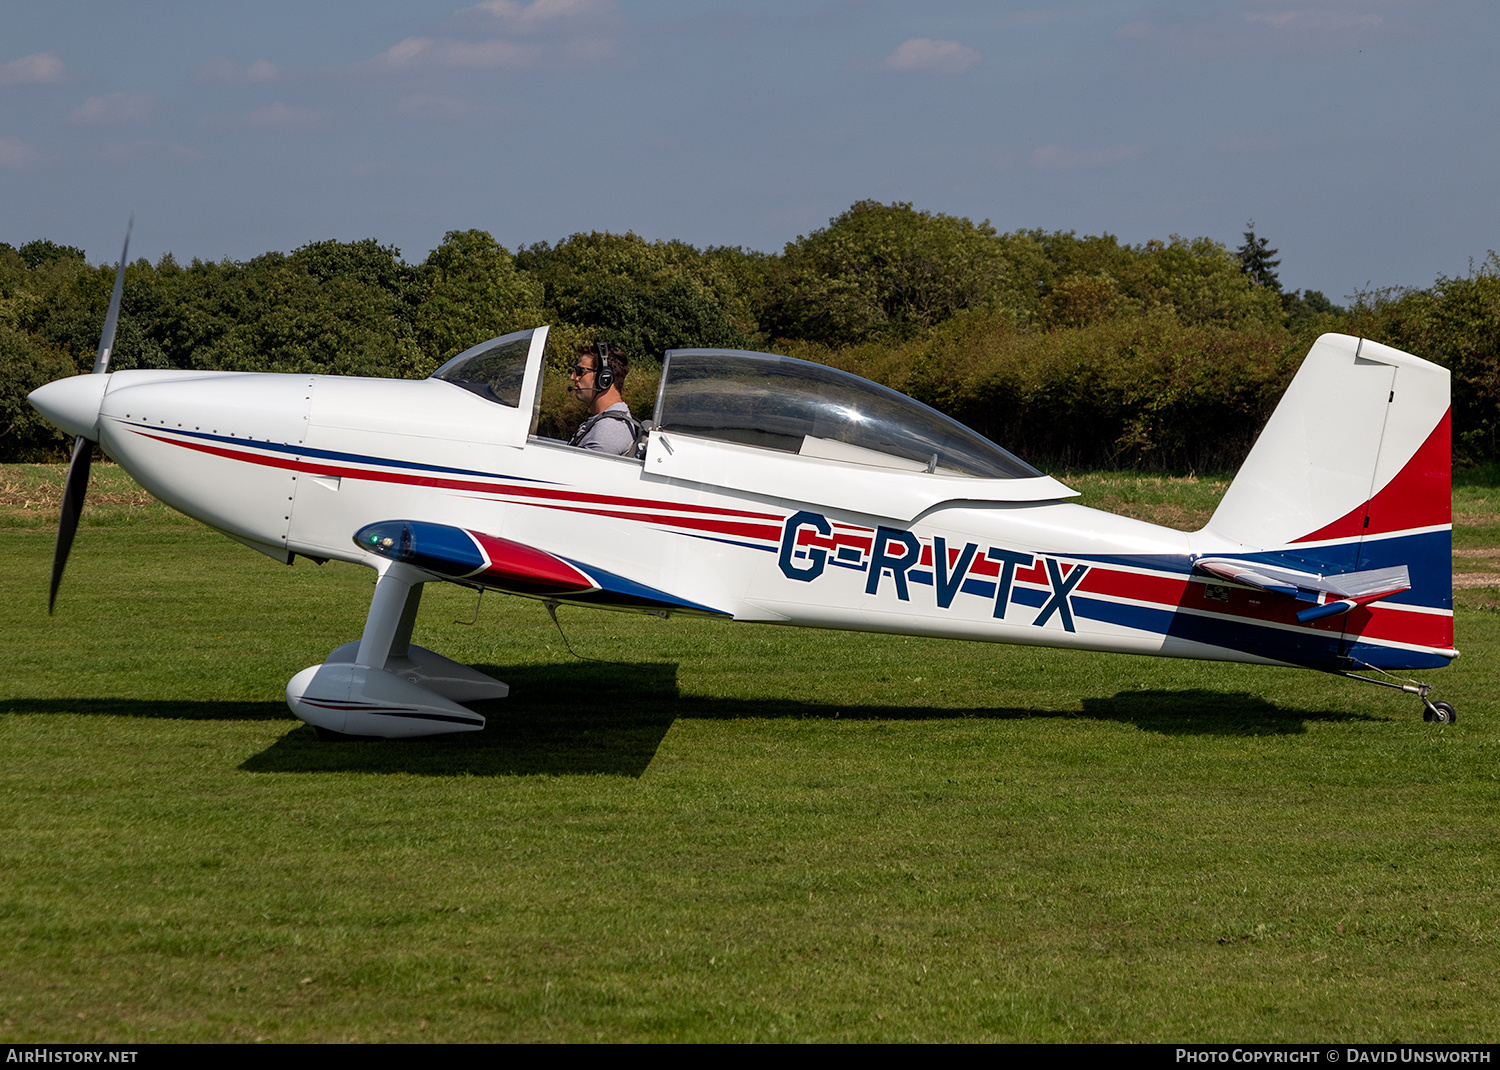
point(706, 523)
point(1037, 573)
point(1163, 590)
point(721, 527)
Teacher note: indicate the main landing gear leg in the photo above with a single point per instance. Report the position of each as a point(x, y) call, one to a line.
point(384, 686)
point(1437, 712)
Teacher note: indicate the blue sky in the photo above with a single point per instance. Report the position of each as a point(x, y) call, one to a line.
point(1360, 135)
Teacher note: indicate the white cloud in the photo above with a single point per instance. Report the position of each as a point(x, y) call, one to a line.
point(931, 57)
point(15, 154)
point(40, 68)
point(545, 14)
point(283, 116)
point(443, 53)
point(496, 52)
point(229, 72)
point(501, 34)
point(1056, 156)
point(402, 53)
point(113, 108)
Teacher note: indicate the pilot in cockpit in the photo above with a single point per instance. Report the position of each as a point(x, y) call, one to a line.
point(598, 374)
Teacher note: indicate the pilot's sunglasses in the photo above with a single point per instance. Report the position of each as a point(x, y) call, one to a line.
point(579, 369)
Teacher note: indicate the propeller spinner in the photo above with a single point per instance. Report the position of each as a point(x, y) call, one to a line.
point(83, 446)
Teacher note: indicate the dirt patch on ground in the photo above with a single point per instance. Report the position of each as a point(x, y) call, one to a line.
point(1476, 558)
point(25, 493)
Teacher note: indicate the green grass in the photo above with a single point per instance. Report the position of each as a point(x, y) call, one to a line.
point(1476, 530)
point(1183, 502)
point(715, 832)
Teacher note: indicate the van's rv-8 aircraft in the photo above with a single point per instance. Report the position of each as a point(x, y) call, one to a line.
point(779, 491)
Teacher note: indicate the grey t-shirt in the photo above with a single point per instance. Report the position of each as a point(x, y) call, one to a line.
point(607, 434)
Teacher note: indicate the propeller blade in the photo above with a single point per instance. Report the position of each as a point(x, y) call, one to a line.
point(72, 508)
point(83, 449)
point(112, 318)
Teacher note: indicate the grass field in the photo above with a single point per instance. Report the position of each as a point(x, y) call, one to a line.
point(717, 832)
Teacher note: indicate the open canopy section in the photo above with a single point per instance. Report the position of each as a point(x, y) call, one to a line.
point(495, 370)
point(506, 370)
point(795, 406)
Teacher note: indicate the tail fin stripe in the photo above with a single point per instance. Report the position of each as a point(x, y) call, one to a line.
point(1419, 495)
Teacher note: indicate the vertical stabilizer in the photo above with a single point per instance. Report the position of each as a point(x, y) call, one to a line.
point(1352, 475)
point(1358, 445)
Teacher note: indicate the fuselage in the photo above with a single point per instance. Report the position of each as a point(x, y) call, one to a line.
point(297, 464)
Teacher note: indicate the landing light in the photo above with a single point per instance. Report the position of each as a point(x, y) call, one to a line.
point(439, 548)
point(391, 539)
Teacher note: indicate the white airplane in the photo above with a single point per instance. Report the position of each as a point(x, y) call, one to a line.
point(778, 491)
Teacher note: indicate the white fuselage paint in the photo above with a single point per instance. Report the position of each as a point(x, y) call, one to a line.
point(295, 464)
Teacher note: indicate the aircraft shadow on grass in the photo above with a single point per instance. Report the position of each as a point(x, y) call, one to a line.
point(610, 718)
point(165, 709)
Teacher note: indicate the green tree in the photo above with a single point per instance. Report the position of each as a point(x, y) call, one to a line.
point(882, 271)
point(1256, 261)
point(469, 290)
point(1455, 323)
point(1306, 307)
point(365, 261)
point(26, 363)
point(1200, 283)
point(1076, 280)
point(36, 253)
point(645, 297)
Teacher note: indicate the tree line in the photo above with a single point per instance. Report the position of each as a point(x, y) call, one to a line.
point(1069, 350)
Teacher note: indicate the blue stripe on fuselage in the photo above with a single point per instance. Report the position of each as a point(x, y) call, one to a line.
point(334, 455)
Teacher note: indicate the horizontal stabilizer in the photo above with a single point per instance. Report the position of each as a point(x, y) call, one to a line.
point(1333, 594)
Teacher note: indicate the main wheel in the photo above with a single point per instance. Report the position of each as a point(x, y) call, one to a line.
point(1440, 713)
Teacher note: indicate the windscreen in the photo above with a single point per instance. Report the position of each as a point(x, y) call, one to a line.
point(781, 403)
point(494, 370)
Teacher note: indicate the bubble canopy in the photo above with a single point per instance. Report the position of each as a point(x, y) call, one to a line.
point(495, 370)
point(796, 406)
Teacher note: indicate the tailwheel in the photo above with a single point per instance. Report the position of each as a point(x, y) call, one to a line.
point(1434, 712)
point(1439, 712)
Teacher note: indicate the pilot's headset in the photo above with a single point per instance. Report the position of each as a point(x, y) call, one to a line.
point(604, 375)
